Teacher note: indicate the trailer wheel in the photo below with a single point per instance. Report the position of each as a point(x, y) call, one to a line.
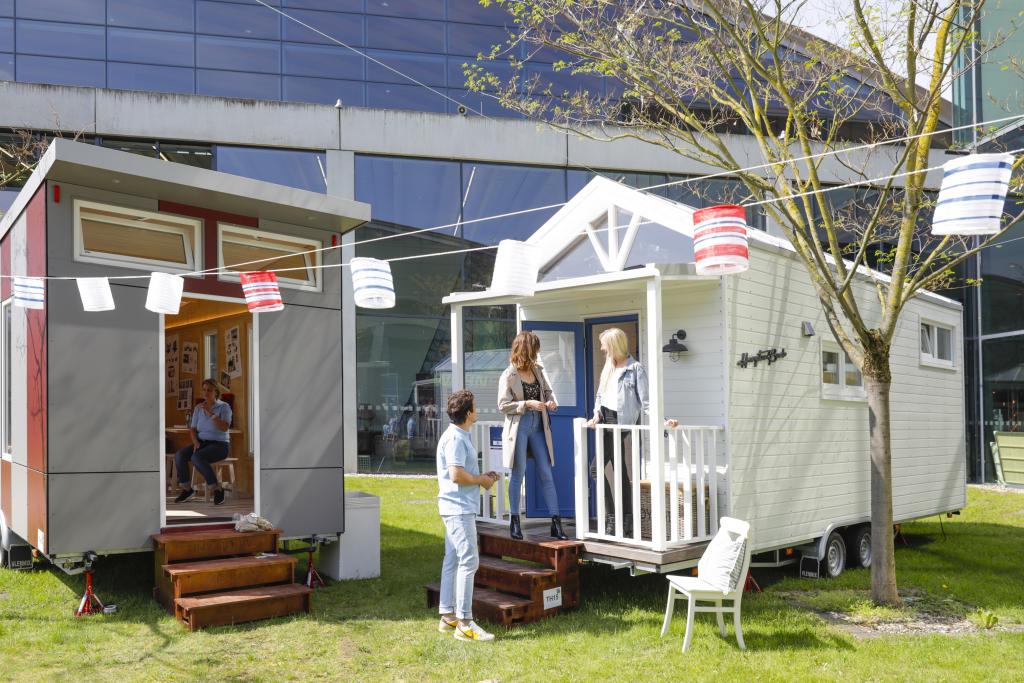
point(835, 555)
point(860, 544)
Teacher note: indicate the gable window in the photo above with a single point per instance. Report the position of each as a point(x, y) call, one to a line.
point(132, 238)
point(840, 378)
point(245, 249)
point(936, 344)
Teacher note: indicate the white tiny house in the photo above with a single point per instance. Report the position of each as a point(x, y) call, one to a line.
point(773, 418)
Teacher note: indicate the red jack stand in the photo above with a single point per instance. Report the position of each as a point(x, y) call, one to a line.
point(90, 604)
point(751, 585)
point(312, 577)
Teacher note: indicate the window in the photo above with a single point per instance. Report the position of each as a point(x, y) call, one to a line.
point(840, 378)
point(238, 246)
point(294, 168)
point(936, 344)
point(5, 370)
point(210, 354)
point(118, 236)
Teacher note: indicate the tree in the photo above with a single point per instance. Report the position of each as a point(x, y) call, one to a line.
point(691, 72)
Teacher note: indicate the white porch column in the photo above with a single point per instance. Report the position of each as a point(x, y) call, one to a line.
point(458, 361)
point(656, 472)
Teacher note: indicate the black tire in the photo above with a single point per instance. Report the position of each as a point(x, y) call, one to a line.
point(834, 561)
point(859, 542)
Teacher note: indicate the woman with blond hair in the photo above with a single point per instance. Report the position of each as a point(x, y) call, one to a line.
point(622, 398)
point(525, 397)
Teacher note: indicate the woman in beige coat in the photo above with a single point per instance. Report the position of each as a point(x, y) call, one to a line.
point(525, 397)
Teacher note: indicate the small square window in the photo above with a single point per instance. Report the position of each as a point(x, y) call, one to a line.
point(840, 378)
point(133, 238)
point(295, 260)
point(936, 344)
point(830, 367)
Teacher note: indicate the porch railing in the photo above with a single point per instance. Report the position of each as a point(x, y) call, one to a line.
point(494, 503)
point(683, 492)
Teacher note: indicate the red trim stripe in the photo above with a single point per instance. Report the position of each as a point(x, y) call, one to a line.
point(35, 247)
point(723, 250)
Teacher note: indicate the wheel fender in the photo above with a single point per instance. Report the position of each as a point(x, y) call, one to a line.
point(822, 543)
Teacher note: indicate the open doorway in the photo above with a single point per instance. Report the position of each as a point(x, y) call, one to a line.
point(209, 339)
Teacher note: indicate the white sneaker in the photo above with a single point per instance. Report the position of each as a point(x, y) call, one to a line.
point(472, 632)
point(447, 625)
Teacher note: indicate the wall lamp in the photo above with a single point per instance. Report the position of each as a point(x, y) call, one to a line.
point(674, 347)
point(807, 329)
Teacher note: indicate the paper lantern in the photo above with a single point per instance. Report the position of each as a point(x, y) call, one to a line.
point(262, 294)
point(372, 284)
point(164, 294)
point(95, 293)
point(720, 240)
point(972, 195)
point(29, 292)
point(515, 269)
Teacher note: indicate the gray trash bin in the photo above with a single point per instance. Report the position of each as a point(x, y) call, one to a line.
point(357, 554)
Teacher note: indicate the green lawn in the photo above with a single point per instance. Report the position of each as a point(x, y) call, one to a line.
point(380, 630)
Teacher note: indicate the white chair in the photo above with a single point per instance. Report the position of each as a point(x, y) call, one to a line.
point(721, 575)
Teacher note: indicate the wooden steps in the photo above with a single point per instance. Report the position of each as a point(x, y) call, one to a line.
point(543, 582)
point(219, 576)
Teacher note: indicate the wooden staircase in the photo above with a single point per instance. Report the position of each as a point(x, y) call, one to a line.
point(217, 577)
point(519, 582)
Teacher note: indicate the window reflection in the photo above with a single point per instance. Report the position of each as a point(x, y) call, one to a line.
point(304, 170)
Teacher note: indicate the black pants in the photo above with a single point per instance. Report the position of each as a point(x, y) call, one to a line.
point(625, 463)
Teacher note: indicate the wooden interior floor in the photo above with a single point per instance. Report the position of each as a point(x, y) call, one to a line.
point(197, 511)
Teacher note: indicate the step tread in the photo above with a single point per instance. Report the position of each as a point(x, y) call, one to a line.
point(491, 597)
point(553, 543)
point(515, 567)
point(242, 596)
point(209, 535)
point(226, 563)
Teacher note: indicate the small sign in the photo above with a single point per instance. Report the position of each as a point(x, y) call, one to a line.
point(809, 567)
point(553, 597)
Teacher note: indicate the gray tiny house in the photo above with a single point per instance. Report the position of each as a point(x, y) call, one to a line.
point(95, 403)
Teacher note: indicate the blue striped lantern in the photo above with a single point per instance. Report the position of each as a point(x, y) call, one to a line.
point(972, 195)
point(372, 284)
point(29, 292)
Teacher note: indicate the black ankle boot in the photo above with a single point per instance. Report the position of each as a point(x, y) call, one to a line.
point(556, 529)
point(514, 530)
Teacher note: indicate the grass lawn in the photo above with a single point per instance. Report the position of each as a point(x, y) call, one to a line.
point(380, 630)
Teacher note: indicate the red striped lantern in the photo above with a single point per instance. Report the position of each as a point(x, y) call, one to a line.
point(720, 240)
point(261, 292)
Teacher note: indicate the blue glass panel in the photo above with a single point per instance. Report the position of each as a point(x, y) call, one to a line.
point(83, 11)
point(6, 67)
point(238, 53)
point(476, 103)
point(6, 8)
point(410, 193)
point(7, 35)
point(348, 28)
point(428, 69)
point(147, 77)
point(164, 15)
point(394, 96)
point(281, 166)
point(473, 12)
point(420, 9)
point(563, 81)
point(405, 34)
point(324, 91)
point(329, 61)
point(153, 47)
point(60, 40)
point(457, 76)
point(333, 5)
point(61, 71)
point(238, 84)
point(500, 189)
point(466, 39)
point(244, 21)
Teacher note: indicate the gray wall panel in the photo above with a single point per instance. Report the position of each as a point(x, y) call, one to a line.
point(104, 373)
point(303, 502)
point(103, 511)
point(300, 386)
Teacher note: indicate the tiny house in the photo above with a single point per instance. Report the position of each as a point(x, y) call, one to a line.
point(95, 403)
point(773, 416)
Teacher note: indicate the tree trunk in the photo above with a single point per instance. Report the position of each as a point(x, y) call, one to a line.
point(883, 560)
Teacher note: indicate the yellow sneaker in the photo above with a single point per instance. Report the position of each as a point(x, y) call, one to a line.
point(472, 632)
point(447, 625)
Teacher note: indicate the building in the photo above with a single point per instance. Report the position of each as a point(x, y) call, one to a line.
point(164, 78)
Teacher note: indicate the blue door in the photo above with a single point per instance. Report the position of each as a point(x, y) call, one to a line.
point(561, 353)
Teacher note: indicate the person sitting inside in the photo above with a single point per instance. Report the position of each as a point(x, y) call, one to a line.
point(210, 443)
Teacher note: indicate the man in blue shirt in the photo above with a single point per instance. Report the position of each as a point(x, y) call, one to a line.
point(458, 482)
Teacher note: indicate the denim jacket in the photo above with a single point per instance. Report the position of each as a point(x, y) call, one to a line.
point(633, 398)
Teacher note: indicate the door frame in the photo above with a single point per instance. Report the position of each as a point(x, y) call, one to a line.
point(254, 431)
point(590, 349)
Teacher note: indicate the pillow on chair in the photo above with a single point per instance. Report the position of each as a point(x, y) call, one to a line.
point(722, 561)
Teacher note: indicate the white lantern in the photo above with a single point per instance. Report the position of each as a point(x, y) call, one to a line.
point(372, 284)
point(515, 269)
point(972, 195)
point(720, 240)
point(29, 292)
point(95, 293)
point(164, 294)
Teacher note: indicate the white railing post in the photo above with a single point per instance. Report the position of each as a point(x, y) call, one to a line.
point(634, 442)
point(713, 480)
point(582, 478)
point(617, 479)
point(699, 462)
point(673, 498)
point(600, 478)
point(687, 484)
point(657, 412)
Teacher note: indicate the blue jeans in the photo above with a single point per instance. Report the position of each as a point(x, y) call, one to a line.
point(531, 436)
point(209, 452)
point(461, 560)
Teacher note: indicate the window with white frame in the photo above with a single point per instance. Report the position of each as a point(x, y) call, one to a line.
point(210, 354)
point(936, 344)
point(119, 236)
point(5, 371)
point(840, 378)
point(295, 259)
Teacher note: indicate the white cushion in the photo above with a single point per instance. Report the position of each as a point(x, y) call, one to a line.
point(720, 565)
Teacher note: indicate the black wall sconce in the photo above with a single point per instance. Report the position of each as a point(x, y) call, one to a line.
point(674, 347)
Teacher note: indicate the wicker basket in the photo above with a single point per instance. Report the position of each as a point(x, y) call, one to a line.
point(645, 509)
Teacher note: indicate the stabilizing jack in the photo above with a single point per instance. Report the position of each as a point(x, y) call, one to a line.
point(91, 603)
point(312, 577)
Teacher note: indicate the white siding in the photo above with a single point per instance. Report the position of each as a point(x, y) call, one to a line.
point(801, 462)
